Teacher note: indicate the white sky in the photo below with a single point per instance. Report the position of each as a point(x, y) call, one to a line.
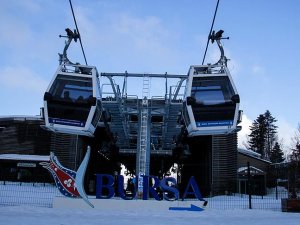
point(156, 37)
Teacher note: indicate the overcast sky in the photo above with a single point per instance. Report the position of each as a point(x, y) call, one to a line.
point(156, 37)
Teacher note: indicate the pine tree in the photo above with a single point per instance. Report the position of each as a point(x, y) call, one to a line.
point(294, 167)
point(276, 154)
point(295, 156)
point(257, 138)
point(263, 134)
point(271, 131)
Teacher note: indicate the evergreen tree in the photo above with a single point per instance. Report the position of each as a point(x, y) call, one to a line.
point(276, 154)
point(271, 131)
point(294, 167)
point(295, 156)
point(257, 138)
point(263, 134)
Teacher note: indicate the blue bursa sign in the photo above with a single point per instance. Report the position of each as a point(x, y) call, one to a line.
point(70, 184)
point(105, 188)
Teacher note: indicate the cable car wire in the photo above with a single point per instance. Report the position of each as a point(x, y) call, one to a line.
point(211, 28)
point(78, 32)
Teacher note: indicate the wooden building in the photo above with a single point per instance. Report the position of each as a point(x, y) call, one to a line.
point(258, 172)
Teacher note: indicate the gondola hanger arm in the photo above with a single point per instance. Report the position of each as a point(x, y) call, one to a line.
point(63, 58)
point(217, 36)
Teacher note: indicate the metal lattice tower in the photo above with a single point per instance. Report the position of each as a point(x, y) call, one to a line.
point(143, 151)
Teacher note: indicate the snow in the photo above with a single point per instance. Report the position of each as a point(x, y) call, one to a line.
point(33, 194)
point(34, 215)
point(252, 169)
point(249, 152)
point(25, 157)
point(29, 204)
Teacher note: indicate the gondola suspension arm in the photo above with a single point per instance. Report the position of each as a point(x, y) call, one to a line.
point(217, 37)
point(63, 58)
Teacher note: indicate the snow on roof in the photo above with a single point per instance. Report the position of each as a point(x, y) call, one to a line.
point(25, 157)
point(20, 118)
point(252, 169)
point(252, 154)
point(249, 152)
point(241, 169)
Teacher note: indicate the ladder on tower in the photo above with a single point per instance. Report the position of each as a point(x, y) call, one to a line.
point(143, 153)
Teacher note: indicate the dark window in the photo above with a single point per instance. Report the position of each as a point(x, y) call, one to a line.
point(68, 111)
point(214, 90)
point(209, 95)
point(213, 95)
point(72, 88)
point(70, 98)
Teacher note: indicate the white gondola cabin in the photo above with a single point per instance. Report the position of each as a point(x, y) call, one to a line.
point(72, 102)
point(211, 105)
point(212, 102)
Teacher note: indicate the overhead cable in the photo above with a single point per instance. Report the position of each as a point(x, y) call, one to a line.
point(78, 32)
point(211, 28)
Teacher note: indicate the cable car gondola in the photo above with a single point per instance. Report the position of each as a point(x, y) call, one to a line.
point(72, 100)
point(211, 103)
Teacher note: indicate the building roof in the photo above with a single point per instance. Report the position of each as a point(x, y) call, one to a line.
point(20, 118)
point(24, 157)
point(253, 170)
point(253, 154)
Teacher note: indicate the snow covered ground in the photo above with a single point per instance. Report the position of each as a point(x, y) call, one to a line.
point(37, 194)
point(30, 205)
point(21, 215)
